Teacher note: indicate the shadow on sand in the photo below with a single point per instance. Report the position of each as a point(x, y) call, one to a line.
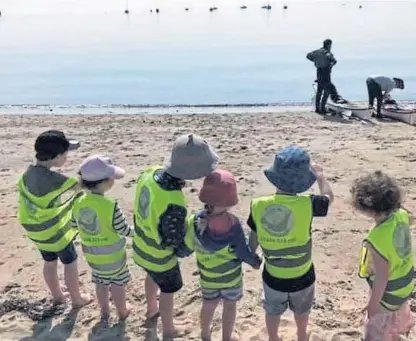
point(62, 331)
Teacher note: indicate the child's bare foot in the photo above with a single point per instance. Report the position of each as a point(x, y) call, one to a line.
point(105, 317)
point(82, 301)
point(60, 300)
point(205, 338)
point(123, 315)
point(177, 332)
point(151, 319)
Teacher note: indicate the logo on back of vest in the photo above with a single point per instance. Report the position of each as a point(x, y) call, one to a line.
point(88, 221)
point(277, 220)
point(402, 240)
point(31, 207)
point(144, 202)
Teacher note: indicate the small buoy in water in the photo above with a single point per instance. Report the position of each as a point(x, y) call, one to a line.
point(360, 6)
point(151, 11)
point(243, 7)
point(284, 7)
point(127, 11)
point(186, 9)
point(157, 10)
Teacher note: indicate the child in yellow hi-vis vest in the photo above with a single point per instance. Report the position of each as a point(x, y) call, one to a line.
point(281, 225)
point(45, 203)
point(220, 246)
point(386, 260)
point(103, 227)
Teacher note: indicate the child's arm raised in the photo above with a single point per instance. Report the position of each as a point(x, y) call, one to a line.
point(323, 184)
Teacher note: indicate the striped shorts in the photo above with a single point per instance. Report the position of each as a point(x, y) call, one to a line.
point(120, 279)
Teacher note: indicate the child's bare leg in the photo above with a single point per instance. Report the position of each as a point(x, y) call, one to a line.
point(71, 281)
point(119, 298)
point(151, 289)
point(229, 314)
point(272, 324)
point(166, 313)
point(50, 274)
point(207, 314)
point(302, 326)
point(103, 298)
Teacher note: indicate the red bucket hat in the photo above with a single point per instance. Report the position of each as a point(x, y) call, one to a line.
point(219, 189)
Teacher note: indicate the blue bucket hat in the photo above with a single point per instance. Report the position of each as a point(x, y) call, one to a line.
point(291, 171)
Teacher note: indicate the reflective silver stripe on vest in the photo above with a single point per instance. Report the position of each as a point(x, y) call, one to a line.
point(290, 251)
point(151, 259)
point(149, 241)
point(232, 264)
point(398, 283)
point(111, 267)
point(393, 300)
point(289, 262)
point(49, 223)
point(104, 250)
point(222, 279)
point(61, 233)
point(306, 250)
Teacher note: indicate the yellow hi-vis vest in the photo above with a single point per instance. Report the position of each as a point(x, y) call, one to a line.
point(103, 248)
point(392, 240)
point(283, 231)
point(150, 204)
point(218, 270)
point(47, 225)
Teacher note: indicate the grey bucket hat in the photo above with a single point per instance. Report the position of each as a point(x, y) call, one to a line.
point(291, 171)
point(192, 158)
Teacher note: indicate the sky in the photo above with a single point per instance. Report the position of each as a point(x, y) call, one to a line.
point(13, 7)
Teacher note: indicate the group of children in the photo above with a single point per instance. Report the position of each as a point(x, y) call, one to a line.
point(54, 209)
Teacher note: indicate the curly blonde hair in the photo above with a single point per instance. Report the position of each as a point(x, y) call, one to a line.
point(377, 193)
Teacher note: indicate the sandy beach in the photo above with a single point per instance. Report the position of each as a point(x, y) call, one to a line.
point(246, 145)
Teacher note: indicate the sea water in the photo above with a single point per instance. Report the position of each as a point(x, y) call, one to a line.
point(89, 52)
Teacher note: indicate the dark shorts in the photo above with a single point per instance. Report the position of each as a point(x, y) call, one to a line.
point(169, 282)
point(67, 255)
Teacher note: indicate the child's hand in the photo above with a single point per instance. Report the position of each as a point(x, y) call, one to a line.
point(257, 266)
point(371, 310)
point(319, 171)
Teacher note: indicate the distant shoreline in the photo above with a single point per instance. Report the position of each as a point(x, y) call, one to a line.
point(137, 109)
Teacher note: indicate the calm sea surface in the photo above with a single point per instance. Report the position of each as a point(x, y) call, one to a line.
point(74, 52)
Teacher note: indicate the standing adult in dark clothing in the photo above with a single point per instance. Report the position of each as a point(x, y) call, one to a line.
point(324, 61)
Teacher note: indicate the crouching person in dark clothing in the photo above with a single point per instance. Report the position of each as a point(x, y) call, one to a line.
point(379, 87)
point(324, 61)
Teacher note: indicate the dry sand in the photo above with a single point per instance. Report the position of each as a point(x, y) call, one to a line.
point(246, 145)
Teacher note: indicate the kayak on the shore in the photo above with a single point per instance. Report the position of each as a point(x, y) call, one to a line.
point(343, 107)
point(392, 109)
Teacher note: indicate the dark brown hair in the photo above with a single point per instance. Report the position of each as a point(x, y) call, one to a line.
point(376, 192)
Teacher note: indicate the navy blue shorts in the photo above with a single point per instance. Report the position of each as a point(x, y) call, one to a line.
point(168, 282)
point(67, 255)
